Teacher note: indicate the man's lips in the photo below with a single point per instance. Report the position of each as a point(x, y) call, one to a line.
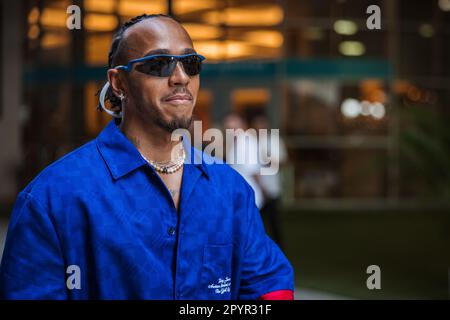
point(178, 99)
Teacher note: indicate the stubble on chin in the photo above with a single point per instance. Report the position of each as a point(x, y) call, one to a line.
point(174, 124)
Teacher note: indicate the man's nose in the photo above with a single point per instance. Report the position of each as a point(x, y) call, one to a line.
point(178, 75)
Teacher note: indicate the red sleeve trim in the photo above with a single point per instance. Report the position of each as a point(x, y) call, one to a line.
point(278, 295)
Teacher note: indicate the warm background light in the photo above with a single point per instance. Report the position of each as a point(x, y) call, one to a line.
point(352, 48)
point(345, 27)
point(54, 40)
point(53, 17)
point(33, 32)
point(190, 6)
point(199, 31)
point(216, 50)
point(33, 16)
point(265, 38)
point(100, 22)
point(133, 8)
point(105, 6)
point(260, 15)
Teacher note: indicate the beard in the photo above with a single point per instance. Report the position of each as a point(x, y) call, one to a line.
point(157, 118)
point(174, 124)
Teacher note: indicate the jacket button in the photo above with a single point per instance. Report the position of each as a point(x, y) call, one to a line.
point(171, 231)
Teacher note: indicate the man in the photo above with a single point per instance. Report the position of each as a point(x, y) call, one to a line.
point(245, 145)
point(270, 184)
point(125, 216)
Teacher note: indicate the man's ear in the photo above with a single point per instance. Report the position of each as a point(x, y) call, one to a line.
point(116, 82)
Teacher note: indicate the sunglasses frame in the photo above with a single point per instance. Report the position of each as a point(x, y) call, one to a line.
point(130, 63)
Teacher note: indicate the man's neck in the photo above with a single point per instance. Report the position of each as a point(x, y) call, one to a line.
point(152, 141)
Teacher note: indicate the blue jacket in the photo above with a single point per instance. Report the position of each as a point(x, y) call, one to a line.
point(99, 223)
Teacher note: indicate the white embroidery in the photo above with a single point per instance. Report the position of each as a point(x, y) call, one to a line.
point(222, 285)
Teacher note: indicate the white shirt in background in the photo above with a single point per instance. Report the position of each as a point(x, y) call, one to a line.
point(246, 147)
point(271, 183)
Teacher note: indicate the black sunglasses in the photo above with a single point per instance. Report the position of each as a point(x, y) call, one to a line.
point(162, 65)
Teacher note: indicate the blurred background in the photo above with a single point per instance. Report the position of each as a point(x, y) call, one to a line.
point(364, 115)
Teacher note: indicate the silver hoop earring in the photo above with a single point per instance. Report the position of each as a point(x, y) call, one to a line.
point(102, 102)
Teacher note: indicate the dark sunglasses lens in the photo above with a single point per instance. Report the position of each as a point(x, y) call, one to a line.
point(192, 65)
point(163, 66)
point(159, 67)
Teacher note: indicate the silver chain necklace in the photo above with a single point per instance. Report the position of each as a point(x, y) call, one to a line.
point(168, 167)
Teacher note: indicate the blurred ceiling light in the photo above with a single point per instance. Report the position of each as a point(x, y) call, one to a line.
point(184, 7)
point(258, 15)
point(100, 22)
point(401, 86)
point(265, 38)
point(444, 5)
point(314, 33)
point(217, 50)
point(377, 110)
point(251, 96)
point(413, 93)
point(352, 48)
point(33, 16)
point(33, 32)
point(350, 108)
point(54, 40)
point(138, 7)
point(372, 90)
point(426, 30)
point(59, 4)
point(345, 27)
point(199, 31)
point(235, 49)
point(52, 17)
point(365, 108)
point(211, 49)
point(106, 6)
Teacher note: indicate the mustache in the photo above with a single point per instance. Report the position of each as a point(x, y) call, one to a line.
point(180, 91)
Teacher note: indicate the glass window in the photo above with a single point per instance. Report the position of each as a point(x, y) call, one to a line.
point(232, 30)
point(327, 173)
point(336, 108)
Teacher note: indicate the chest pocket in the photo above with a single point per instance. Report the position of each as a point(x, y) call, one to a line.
point(216, 272)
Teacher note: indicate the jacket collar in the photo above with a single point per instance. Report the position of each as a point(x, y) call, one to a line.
point(122, 157)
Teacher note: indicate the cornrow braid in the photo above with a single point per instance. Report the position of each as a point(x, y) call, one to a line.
point(114, 51)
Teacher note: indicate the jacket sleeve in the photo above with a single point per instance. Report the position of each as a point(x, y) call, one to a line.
point(32, 265)
point(278, 295)
point(265, 268)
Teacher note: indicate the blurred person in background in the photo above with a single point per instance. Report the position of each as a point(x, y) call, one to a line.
point(269, 184)
point(244, 145)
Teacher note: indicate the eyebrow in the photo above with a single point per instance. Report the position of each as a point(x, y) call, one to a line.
point(166, 51)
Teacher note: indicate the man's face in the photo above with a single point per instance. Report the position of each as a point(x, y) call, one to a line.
point(151, 97)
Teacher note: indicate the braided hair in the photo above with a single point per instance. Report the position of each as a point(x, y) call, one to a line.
point(115, 53)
